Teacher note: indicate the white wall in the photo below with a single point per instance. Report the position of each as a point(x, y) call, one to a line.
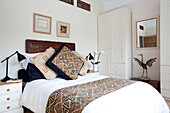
point(16, 25)
point(141, 10)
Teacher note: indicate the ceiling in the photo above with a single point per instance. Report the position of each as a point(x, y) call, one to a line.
point(112, 4)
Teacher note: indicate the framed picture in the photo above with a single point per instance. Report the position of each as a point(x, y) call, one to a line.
point(42, 24)
point(68, 1)
point(83, 5)
point(63, 29)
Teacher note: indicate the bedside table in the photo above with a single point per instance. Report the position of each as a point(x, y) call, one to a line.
point(93, 72)
point(154, 83)
point(10, 94)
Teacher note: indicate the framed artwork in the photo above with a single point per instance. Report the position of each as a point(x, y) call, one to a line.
point(42, 24)
point(83, 5)
point(68, 1)
point(63, 29)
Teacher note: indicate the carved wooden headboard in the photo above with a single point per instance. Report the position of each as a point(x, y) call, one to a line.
point(36, 46)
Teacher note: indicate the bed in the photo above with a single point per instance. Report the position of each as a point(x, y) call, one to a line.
point(91, 93)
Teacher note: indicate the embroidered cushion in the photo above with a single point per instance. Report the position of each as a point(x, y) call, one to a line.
point(65, 63)
point(40, 60)
point(86, 65)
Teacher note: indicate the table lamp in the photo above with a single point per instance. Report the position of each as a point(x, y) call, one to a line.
point(21, 58)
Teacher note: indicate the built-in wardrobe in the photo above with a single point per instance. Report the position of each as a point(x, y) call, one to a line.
point(165, 47)
point(114, 38)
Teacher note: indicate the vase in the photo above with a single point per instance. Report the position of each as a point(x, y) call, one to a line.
point(95, 67)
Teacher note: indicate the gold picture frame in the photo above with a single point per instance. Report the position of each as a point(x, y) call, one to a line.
point(63, 29)
point(41, 23)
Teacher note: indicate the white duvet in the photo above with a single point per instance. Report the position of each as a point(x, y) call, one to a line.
point(135, 98)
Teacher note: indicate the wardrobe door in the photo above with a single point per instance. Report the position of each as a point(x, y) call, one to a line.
point(165, 47)
point(114, 38)
point(103, 44)
point(165, 32)
point(116, 35)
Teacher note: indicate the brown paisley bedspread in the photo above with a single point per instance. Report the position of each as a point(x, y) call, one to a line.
point(73, 99)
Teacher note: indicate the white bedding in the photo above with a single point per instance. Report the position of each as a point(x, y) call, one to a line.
point(135, 98)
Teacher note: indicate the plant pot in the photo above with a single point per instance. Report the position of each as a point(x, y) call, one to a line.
point(95, 67)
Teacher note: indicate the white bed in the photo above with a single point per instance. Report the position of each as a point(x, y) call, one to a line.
point(138, 97)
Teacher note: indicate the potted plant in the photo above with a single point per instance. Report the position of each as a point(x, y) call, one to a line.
point(94, 59)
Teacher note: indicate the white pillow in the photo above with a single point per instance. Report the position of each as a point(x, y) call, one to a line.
point(28, 56)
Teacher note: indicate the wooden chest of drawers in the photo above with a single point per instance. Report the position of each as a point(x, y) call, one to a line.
point(10, 94)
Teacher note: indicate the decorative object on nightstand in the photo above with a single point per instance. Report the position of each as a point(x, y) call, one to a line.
point(10, 94)
point(144, 66)
point(154, 83)
point(21, 58)
point(94, 59)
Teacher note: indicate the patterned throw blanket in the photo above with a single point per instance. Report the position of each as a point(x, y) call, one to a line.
point(73, 99)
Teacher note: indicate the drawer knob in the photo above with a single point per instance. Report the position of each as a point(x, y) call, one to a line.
point(8, 98)
point(8, 90)
point(8, 107)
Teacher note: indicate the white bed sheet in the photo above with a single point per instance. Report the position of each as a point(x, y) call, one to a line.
point(136, 98)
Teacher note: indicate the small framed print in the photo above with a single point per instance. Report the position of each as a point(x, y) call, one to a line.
point(68, 1)
point(63, 29)
point(42, 24)
point(83, 5)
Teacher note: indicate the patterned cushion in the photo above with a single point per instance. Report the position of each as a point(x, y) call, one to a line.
point(86, 65)
point(40, 60)
point(65, 63)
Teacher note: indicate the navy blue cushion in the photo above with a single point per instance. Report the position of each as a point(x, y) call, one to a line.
point(33, 73)
point(22, 74)
point(65, 63)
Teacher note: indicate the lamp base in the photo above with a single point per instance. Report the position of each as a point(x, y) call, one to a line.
point(145, 79)
point(5, 79)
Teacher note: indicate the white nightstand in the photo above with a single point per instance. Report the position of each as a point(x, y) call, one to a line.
point(10, 94)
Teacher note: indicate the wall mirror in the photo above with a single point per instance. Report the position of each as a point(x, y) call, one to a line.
point(146, 35)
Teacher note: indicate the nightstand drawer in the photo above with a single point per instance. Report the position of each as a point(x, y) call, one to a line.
point(9, 97)
point(18, 110)
point(9, 106)
point(10, 88)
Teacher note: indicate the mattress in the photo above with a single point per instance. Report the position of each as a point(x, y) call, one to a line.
point(138, 97)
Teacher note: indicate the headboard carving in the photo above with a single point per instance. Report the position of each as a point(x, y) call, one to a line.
point(36, 46)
